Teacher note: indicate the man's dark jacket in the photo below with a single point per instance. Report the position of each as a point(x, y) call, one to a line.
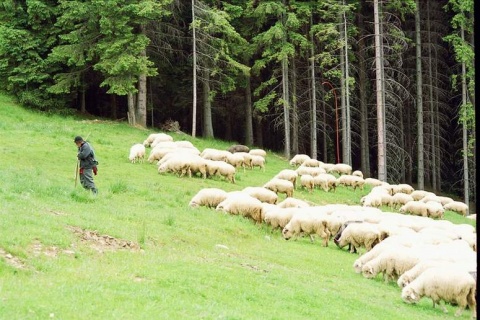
point(86, 156)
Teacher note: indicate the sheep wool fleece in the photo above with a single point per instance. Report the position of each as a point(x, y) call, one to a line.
point(86, 156)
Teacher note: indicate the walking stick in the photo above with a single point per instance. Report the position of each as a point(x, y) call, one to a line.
point(76, 173)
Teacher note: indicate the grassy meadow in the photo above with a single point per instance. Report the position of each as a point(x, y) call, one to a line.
point(138, 251)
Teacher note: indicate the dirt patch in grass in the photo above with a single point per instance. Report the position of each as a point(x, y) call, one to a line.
point(12, 260)
point(103, 243)
point(37, 248)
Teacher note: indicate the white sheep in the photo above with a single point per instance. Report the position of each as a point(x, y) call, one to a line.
point(208, 197)
point(162, 136)
point(326, 181)
point(306, 181)
point(240, 203)
point(424, 264)
point(292, 202)
point(262, 194)
point(348, 180)
point(311, 163)
point(235, 160)
point(371, 200)
point(357, 173)
point(137, 153)
point(361, 235)
point(373, 182)
point(415, 207)
point(177, 165)
point(304, 223)
point(247, 159)
point(458, 207)
point(226, 171)
point(448, 284)
point(280, 186)
point(392, 263)
point(289, 175)
point(298, 159)
point(313, 171)
point(406, 188)
point(401, 198)
point(257, 161)
point(214, 154)
point(341, 168)
point(419, 194)
point(435, 209)
point(279, 217)
point(184, 144)
point(258, 152)
point(444, 200)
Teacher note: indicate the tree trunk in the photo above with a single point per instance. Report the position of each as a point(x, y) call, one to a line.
point(194, 55)
point(207, 107)
point(432, 102)
point(141, 116)
point(347, 157)
point(113, 106)
point(286, 116)
point(466, 189)
point(83, 104)
point(380, 103)
point(295, 120)
point(248, 114)
point(131, 109)
point(362, 97)
point(420, 146)
point(313, 108)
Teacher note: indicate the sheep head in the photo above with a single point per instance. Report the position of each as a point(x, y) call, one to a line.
point(409, 295)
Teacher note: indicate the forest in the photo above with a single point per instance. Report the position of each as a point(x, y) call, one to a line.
point(385, 86)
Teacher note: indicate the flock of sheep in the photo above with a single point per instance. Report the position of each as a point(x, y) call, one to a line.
point(425, 255)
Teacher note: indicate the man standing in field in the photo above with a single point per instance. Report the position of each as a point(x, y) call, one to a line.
point(88, 164)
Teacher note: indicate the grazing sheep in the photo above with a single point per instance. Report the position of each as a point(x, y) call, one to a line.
point(240, 203)
point(373, 182)
point(341, 168)
point(291, 202)
point(326, 181)
point(289, 175)
point(357, 173)
point(262, 194)
point(448, 284)
point(419, 194)
point(176, 165)
point(435, 209)
point(458, 207)
point(226, 171)
point(406, 188)
point(444, 200)
point(214, 154)
point(401, 198)
point(391, 263)
point(157, 154)
point(278, 218)
point(258, 152)
point(307, 182)
point(311, 163)
point(417, 208)
point(184, 144)
point(238, 148)
point(376, 251)
point(280, 186)
point(306, 224)
point(247, 159)
point(137, 153)
point(154, 136)
point(361, 235)
point(298, 159)
point(235, 160)
point(348, 180)
point(313, 171)
point(197, 165)
point(423, 265)
point(371, 200)
point(162, 138)
point(208, 197)
point(258, 161)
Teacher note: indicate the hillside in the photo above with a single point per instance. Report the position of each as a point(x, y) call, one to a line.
point(137, 251)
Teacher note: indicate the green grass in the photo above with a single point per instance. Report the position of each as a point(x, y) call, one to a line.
point(192, 263)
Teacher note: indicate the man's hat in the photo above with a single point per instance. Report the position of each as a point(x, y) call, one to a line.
point(78, 138)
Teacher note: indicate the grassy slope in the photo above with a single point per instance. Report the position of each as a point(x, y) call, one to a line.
point(180, 272)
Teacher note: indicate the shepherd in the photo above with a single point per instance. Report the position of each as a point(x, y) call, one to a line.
point(88, 164)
